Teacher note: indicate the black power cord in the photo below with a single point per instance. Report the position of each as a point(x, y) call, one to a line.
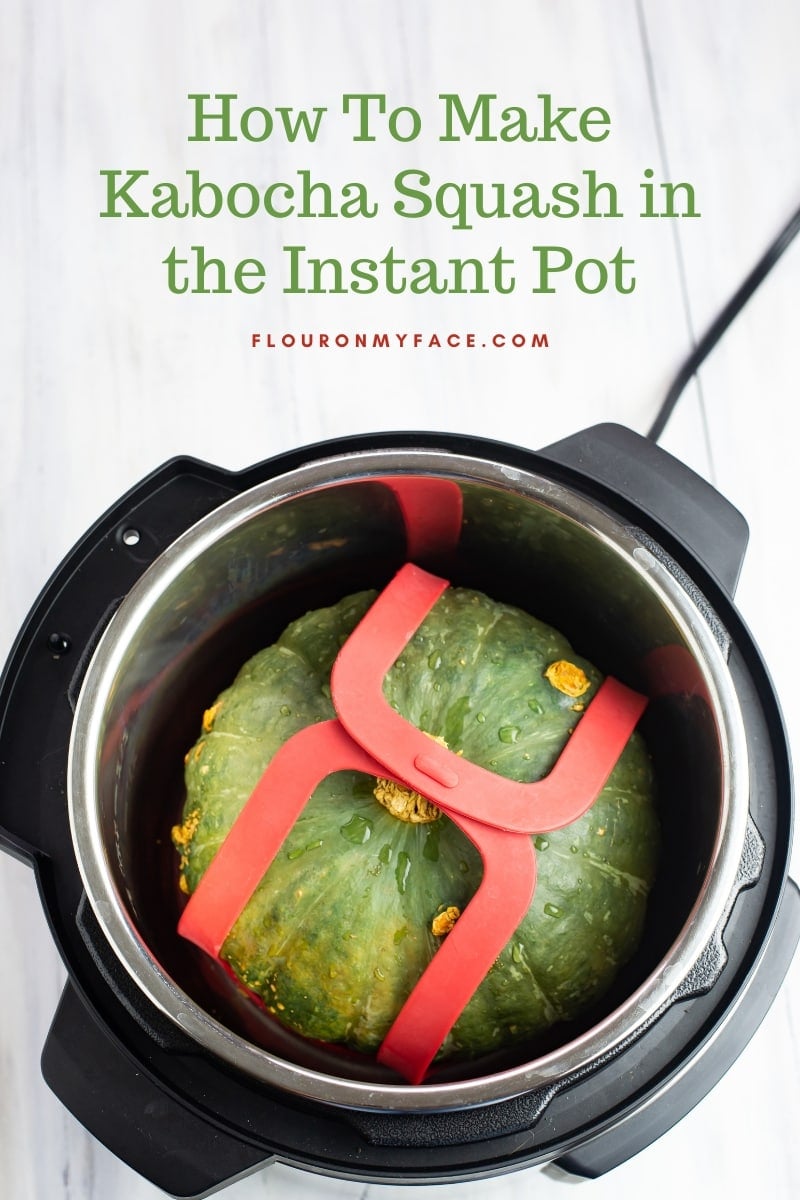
point(715, 331)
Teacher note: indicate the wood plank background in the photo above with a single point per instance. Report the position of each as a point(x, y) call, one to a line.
point(106, 374)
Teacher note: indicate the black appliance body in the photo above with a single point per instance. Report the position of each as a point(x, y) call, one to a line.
point(177, 1090)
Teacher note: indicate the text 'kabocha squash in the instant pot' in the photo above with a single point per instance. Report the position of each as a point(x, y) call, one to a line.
point(371, 876)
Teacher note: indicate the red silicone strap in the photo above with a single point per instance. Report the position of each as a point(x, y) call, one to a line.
point(433, 770)
point(460, 964)
point(259, 831)
point(433, 513)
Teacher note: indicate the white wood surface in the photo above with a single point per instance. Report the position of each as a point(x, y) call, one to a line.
point(106, 375)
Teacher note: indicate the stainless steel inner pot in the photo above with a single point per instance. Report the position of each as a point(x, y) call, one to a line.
point(232, 582)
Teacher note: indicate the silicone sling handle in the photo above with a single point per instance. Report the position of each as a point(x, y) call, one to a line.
point(432, 511)
point(452, 782)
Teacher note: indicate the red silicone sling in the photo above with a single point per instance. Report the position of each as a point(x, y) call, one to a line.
point(498, 815)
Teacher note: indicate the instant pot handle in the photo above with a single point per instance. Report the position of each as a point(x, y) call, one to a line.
point(46, 665)
point(139, 1122)
point(661, 486)
point(686, 1088)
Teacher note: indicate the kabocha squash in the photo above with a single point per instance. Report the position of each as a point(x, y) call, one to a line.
point(371, 876)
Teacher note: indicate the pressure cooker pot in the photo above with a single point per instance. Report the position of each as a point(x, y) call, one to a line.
point(604, 536)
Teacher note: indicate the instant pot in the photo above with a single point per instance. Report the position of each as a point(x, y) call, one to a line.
point(603, 535)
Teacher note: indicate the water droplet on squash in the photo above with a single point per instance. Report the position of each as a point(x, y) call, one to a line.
point(385, 853)
point(285, 710)
point(541, 843)
point(296, 853)
point(401, 871)
point(573, 849)
point(516, 953)
point(378, 973)
point(481, 718)
point(434, 660)
point(552, 910)
point(534, 705)
point(358, 830)
point(508, 733)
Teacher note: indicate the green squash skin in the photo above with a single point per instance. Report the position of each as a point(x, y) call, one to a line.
point(339, 929)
